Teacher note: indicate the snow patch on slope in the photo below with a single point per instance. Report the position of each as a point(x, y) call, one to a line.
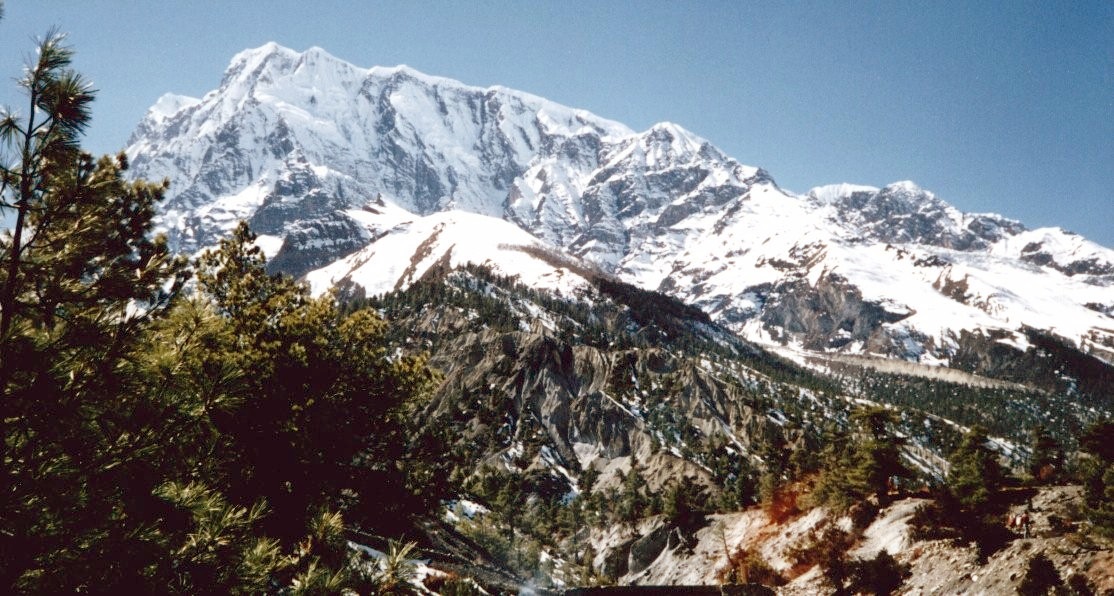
point(411, 248)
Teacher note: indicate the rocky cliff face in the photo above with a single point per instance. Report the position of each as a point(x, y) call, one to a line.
point(614, 375)
point(572, 396)
point(562, 390)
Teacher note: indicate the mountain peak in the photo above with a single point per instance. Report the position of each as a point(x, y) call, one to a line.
point(267, 48)
point(327, 160)
point(672, 129)
point(680, 139)
point(905, 184)
point(255, 56)
point(169, 104)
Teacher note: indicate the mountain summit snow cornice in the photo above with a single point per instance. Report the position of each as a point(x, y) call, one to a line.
point(338, 167)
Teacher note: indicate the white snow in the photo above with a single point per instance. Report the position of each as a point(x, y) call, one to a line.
point(409, 249)
point(438, 171)
point(834, 192)
point(269, 244)
point(170, 104)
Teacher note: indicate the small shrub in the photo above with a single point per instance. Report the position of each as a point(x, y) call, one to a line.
point(933, 521)
point(1080, 585)
point(862, 514)
point(780, 502)
point(748, 567)
point(451, 584)
point(1040, 577)
point(881, 575)
point(829, 550)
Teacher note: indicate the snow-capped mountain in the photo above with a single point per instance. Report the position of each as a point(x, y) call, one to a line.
point(366, 178)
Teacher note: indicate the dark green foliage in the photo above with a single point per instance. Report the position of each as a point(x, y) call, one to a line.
point(974, 474)
point(454, 586)
point(684, 501)
point(1005, 411)
point(1052, 363)
point(855, 466)
point(946, 518)
point(1046, 462)
point(1096, 469)
point(878, 458)
point(833, 565)
point(154, 442)
point(396, 571)
point(834, 486)
point(518, 527)
point(829, 551)
point(731, 472)
point(882, 575)
point(587, 480)
point(970, 505)
point(652, 309)
point(1098, 439)
point(633, 502)
point(520, 524)
point(80, 278)
point(219, 550)
point(748, 567)
point(938, 519)
point(1040, 577)
point(323, 410)
point(1080, 585)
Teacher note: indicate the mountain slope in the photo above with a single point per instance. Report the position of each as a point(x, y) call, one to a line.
point(598, 404)
point(327, 160)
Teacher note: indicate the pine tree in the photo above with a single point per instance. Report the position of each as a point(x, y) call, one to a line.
point(633, 502)
point(81, 278)
point(397, 569)
point(219, 552)
point(834, 485)
point(974, 474)
point(863, 464)
point(1098, 439)
point(882, 575)
point(323, 408)
point(684, 501)
point(878, 455)
point(153, 442)
point(1097, 472)
point(1046, 461)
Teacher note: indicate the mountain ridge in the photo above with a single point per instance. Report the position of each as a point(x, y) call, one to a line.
point(308, 148)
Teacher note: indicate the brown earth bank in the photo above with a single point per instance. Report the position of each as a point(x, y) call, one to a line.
point(651, 557)
point(745, 590)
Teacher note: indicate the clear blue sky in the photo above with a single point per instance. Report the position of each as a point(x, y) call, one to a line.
point(995, 106)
